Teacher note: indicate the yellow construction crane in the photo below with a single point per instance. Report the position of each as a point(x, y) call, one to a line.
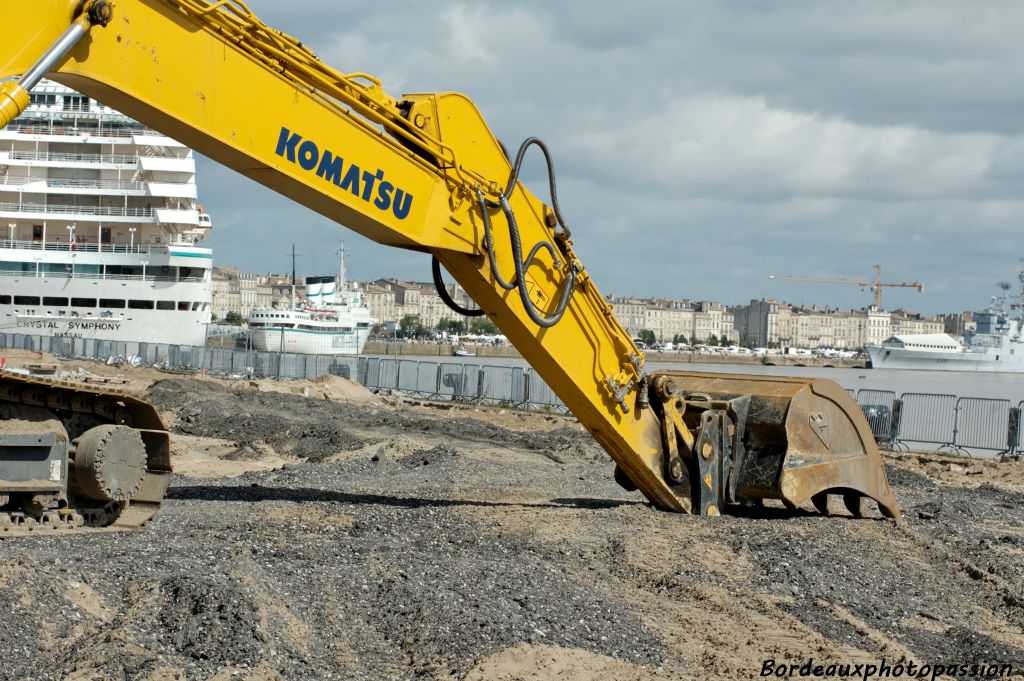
point(422, 172)
point(876, 286)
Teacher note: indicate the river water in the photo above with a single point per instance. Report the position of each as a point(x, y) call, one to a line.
point(959, 383)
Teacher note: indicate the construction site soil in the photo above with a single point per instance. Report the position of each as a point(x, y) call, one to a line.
point(315, 531)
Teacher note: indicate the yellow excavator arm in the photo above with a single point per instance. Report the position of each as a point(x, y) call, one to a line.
point(424, 172)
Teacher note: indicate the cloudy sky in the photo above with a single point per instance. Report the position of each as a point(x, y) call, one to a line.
point(702, 146)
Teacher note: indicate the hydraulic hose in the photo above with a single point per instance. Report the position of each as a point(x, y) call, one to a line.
point(521, 265)
point(435, 268)
point(514, 177)
point(489, 243)
point(517, 257)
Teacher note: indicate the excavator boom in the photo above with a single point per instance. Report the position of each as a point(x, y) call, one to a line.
point(424, 172)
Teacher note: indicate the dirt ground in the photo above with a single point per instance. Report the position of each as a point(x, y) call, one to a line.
point(316, 531)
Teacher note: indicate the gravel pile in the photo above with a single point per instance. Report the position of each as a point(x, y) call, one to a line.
point(425, 562)
point(315, 429)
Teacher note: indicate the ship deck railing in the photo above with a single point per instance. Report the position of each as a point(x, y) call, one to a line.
point(72, 131)
point(60, 209)
point(62, 183)
point(91, 275)
point(129, 248)
point(75, 114)
point(113, 159)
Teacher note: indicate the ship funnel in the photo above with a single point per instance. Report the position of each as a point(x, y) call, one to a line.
point(328, 290)
point(320, 291)
point(314, 288)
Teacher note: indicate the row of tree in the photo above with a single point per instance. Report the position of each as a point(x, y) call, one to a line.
point(410, 326)
point(648, 338)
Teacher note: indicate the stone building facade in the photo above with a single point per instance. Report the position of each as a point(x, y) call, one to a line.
point(770, 323)
point(390, 300)
point(670, 318)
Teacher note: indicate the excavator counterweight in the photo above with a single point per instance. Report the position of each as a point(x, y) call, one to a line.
point(423, 172)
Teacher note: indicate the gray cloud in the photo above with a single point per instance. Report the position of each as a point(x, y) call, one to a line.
point(702, 146)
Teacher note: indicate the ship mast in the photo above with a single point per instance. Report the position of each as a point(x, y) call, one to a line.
point(342, 281)
point(1020, 278)
point(293, 277)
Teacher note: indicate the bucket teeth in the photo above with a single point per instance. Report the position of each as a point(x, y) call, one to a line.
point(856, 505)
point(796, 440)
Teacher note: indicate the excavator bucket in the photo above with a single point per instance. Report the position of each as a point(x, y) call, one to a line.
point(739, 439)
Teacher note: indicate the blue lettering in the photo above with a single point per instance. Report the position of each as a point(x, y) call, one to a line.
point(368, 181)
point(330, 168)
point(402, 204)
point(351, 181)
point(287, 142)
point(309, 154)
point(384, 190)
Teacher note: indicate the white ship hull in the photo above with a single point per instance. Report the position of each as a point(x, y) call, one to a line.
point(1000, 349)
point(310, 342)
point(100, 227)
point(898, 358)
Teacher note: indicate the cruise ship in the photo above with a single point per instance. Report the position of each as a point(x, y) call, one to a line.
point(99, 227)
point(997, 344)
point(332, 320)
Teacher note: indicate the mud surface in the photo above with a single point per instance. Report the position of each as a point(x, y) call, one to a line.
point(395, 541)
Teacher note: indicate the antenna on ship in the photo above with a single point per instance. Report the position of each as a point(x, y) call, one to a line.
point(293, 276)
point(1020, 278)
point(342, 281)
point(1005, 287)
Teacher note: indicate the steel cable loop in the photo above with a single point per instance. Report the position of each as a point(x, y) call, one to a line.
point(435, 268)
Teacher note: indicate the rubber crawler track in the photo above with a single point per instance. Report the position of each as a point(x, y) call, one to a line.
point(108, 405)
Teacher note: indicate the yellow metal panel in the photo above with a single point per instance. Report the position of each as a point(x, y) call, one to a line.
point(259, 103)
point(156, 65)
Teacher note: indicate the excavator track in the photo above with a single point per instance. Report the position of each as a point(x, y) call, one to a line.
point(110, 486)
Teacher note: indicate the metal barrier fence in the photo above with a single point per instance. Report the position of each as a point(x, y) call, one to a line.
point(982, 424)
point(925, 418)
point(943, 421)
point(1019, 445)
point(514, 386)
point(878, 406)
